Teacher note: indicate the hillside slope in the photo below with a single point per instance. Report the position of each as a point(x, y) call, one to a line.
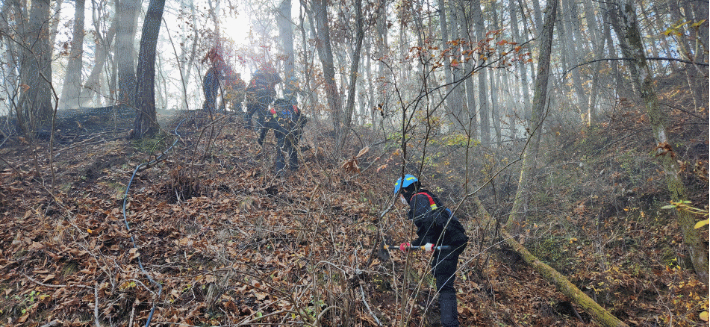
point(230, 243)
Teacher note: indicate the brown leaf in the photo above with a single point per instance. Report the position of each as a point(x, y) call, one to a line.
point(48, 278)
point(362, 152)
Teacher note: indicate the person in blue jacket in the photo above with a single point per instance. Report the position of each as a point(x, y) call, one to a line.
point(436, 226)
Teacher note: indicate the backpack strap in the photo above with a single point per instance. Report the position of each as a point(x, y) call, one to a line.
point(432, 204)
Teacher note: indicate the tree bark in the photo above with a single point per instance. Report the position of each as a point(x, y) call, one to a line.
point(35, 104)
point(350, 104)
point(444, 26)
point(482, 90)
point(495, 83)
point(283, 19)
point(597, 42)
point(325, 53)
point(146, 123)
point(127, 11)
point(457, 94)
point(520, 66)
point(72, 78)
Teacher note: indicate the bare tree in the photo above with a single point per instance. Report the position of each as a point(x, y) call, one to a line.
point(482, 89)
point(146, 123)
point(92, 86)
point(72, 78)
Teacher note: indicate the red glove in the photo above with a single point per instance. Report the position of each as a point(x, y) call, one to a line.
point(404, 247)
point(429, 247)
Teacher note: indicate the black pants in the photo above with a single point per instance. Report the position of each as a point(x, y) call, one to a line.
point(257, 104)
point(444, 265)
point(286, 150)
point(210, 86)
point(266, 123)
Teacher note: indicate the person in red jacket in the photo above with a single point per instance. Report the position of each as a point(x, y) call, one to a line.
point(219, 71)
point(436, 226)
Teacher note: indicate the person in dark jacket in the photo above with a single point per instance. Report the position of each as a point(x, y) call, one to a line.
point(436, 226)
point(260, 93)
point(287, 122)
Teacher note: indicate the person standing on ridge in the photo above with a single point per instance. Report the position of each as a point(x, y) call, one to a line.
point(219, 71)
point(436, 226)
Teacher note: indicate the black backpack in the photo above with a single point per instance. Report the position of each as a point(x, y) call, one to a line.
point(443, 217)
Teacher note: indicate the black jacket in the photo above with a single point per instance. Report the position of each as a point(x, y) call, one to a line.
point(436, 226)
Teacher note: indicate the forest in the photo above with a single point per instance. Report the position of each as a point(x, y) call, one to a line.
point(568, 137)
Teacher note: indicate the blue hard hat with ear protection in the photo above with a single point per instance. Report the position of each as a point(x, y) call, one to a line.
point(408, 180)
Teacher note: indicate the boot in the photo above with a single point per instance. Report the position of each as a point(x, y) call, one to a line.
point(449, 313)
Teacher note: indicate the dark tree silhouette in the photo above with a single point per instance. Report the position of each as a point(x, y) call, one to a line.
point(146, 123)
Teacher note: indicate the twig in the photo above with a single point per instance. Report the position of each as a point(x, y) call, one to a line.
point(368, 307)
point(250, 321)
point(11, 166)
point(326, 310)
point(96, 304)
point(53, 285)
point(130, 320)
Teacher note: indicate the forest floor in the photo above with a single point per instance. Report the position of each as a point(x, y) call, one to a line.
point(230, 243)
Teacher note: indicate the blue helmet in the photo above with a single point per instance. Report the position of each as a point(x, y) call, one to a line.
point(408, 180)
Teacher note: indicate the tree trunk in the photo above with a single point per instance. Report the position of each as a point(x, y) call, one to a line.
point(643, 80)
point(620, 88)
point(571, 50)
point(350, 104)
point(127, 11)
point(536, 119)
point(382, 49)
point(193, 51)
point(444, 26)
point(690, 72)
point(146, 123)
point(325, 53)
point(468, 42)
point(103, 46)
point(482, 90)
point(283, 19)
point(597, 42)
point(54, 23)
point(495, 83)
point(457, 94)
point(35, 104)
point(520, 66)
point(72, 78)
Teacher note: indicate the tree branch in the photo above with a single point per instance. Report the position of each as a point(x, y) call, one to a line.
point(650, 58)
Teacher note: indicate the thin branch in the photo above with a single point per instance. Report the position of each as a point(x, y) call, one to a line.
point(368, 307)
point(53, 285)
point(631, 59)
point(96, 304)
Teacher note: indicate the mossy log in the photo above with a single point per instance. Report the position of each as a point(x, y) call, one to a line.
point(599, 314)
